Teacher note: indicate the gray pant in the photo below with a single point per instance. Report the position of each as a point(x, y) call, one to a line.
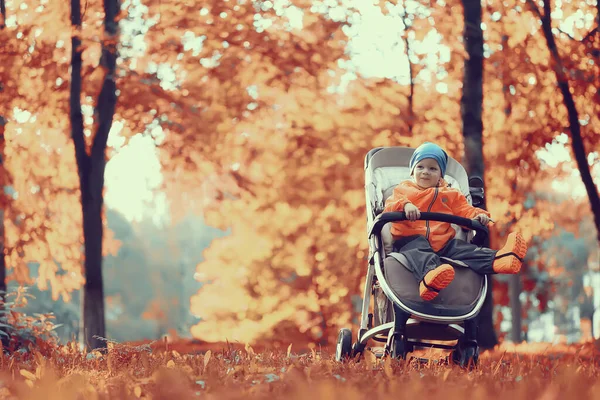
point(421, 258)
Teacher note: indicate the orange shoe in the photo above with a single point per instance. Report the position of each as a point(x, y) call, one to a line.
point(510, 258)
point(435, 280)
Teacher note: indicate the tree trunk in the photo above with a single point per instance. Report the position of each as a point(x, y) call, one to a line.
point(2, 259)
point(472, 96)
point(514, 281)
point(3, 333)
point(516, 327)
point(471, 112)
point(486, 334)
point(3, 14)
point(411, 94)
point(91, 166)
point(3, 199)
point(92, 300)
point(3, 204)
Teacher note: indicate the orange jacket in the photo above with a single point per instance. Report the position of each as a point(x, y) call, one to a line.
point(440, 199)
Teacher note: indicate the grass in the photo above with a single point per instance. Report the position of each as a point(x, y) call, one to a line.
point(160, 371)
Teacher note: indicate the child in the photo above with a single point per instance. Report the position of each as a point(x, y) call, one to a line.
point(424, 242)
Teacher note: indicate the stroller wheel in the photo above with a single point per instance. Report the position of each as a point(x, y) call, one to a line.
point(466, 356)
point(343, 349)
point(357, 348)
point(399, 347)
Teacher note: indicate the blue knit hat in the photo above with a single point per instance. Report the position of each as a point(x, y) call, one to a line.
point(429, 150)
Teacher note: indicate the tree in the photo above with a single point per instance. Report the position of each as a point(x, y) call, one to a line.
point(282, 135)
point(91, 164)
point(295, 255)
point(577, 144)
point(525, 89)
point(2, 174)
point(514, 284)
point(471, 112)
point(16, 238)
point(3, 201)
point(40, 185)
point(263, 127)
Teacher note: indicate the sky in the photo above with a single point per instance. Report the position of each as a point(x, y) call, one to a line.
point(133, 179)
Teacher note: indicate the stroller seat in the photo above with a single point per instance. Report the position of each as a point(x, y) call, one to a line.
point(459, 298)
point(462, 295)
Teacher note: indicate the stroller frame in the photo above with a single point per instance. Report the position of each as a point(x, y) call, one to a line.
point(448, 327)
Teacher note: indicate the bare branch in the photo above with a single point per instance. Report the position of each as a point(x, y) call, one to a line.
point(75, 93)
point(107, 99)
point(411, 111)
point(567, 34)
point(84, 10)
point(592, 32)
point(547, 11)
point(547, 15)
point(3, 11)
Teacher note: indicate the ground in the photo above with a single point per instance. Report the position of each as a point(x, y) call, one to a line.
point(185, 370)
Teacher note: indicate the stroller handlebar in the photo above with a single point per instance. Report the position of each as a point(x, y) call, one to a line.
point(480, 229)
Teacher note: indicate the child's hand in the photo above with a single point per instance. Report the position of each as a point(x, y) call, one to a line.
point(412, 212)
point(483, 219)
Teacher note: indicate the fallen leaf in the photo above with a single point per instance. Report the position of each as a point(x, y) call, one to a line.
point(27, 374)
point(206, 358)
point(387, 367)
point(249, 349)
point(446, 374)
point(370, 359)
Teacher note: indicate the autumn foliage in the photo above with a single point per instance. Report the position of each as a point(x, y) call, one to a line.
point(262, 124)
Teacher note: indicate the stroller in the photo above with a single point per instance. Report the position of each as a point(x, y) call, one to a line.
point(399, 317)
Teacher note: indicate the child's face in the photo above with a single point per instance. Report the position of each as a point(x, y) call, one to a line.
point(427, 173)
